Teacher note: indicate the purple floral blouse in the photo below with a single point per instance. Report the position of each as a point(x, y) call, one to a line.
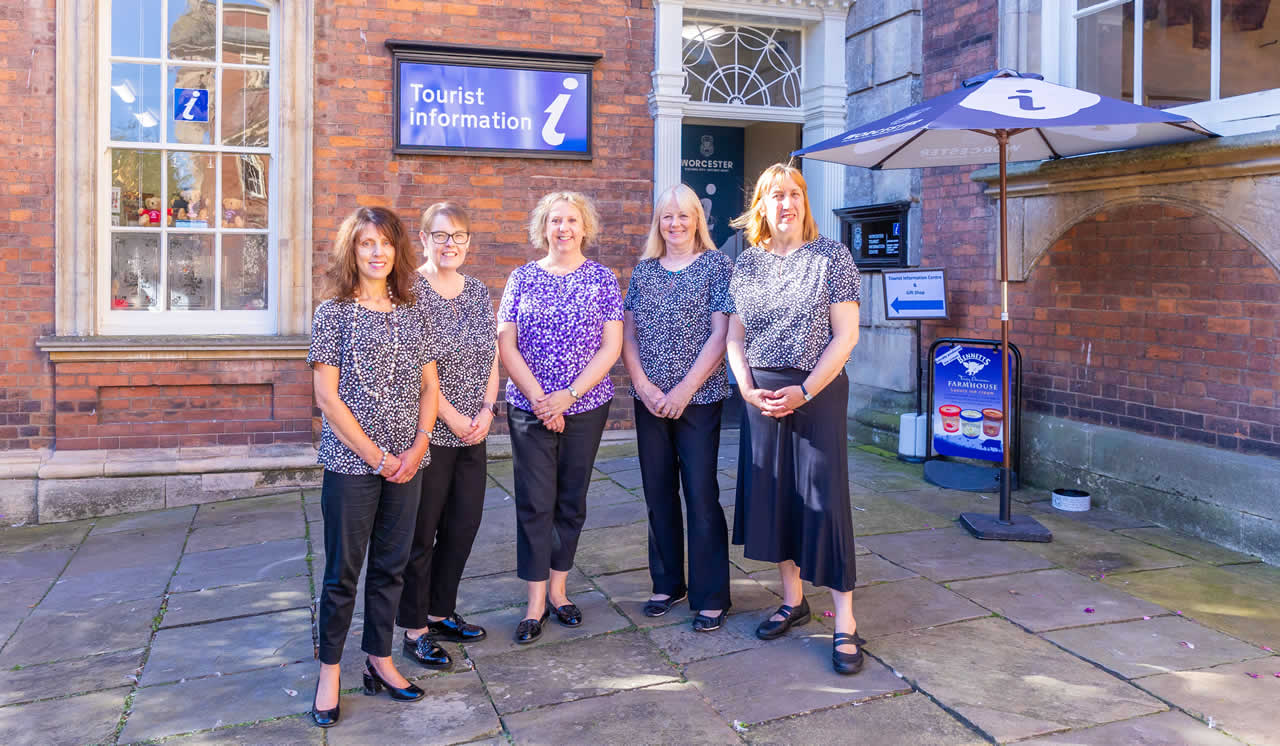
point(559, 326)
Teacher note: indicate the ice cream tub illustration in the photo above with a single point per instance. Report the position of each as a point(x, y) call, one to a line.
point(950, 418)
point(992, 422)
point(970, 423)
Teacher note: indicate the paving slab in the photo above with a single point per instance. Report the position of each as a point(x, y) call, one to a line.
point(574, 670)
point(737, 555)
point(614, 549)
point(952, 554)
point(234, 511)
point(878, 514)
point(455, 710)
point(489, 592)
point(51, 636)
point(616, 514)
point(69, 677)
point(96, 589)
point(598, 617)
point(683, 645)
point(151, 519)
point(1008, 682)
point(1154, 646)
point(236, 601)
point(1241, 606)
point(91, 718)
point(1054, 599)
point(43, 537)
point(1189, 546)
point(250, 530)
point(1099, 518)
point(1226, 695)
point(946, 503)
point(238, 565)
point(608, 492)
point(786, 677)
point(21, 597)
point(614, 465)
point(1092, 551)
point(661, 714)
point(290, 731)
point(494, 497)
point(906, 720)
point(1156, 730)
point(229, 646)
point(497, 526)
point(1259, 571)
point(630, 478)
point(491, 560)
point(38, 565)
point(125, 549)
point(502, 472)
point(890, 608)
point(201, 704)
point(630, 590)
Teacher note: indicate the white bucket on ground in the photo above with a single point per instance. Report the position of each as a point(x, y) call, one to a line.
point(911, 432)
point(1076, 501)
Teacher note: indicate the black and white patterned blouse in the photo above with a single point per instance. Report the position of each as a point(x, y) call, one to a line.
point(380, 357)
point(672, 313)
point(784, 302)
point(466, 334)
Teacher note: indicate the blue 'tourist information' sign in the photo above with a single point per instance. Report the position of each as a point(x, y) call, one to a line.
point(459, 99)
point(968, 419)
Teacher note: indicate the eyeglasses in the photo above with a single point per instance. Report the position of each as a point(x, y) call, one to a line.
point(461, 238)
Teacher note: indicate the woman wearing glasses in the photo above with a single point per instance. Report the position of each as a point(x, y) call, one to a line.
point(459, 312)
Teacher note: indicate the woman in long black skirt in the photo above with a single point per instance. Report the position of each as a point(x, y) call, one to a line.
point(795, 296)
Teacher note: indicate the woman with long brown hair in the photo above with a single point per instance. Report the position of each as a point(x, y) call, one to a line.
point(375, 380)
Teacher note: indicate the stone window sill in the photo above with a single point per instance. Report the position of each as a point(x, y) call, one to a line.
point(229, 347)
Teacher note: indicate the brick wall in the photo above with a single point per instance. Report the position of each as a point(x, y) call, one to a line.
point(353, 160)
point(1158, 320)
point(26, 222)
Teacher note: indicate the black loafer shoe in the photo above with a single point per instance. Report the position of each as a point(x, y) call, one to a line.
point(373, 683)
point(529, 630)
point(454, 629)
point(654, 608)
point(425, 651)
point(791, 617)
point(569, 615)
point(846, 663)
point(704, 623)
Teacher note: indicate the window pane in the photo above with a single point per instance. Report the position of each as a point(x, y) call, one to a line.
point(135, 102)
point(246, 32)
point(191, 177)
point(135, 28)
point(1175, 52)
point(741, 64)
point(191, 108)
point(135, 188)
point(245, 181)
point(244, 272)
point(1250, 47)
point(135, 271)
point(191, 271)
point(246, 108)
point(1104, 52)
point(192, 29)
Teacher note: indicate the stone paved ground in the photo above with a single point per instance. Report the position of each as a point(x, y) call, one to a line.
point(195, 626)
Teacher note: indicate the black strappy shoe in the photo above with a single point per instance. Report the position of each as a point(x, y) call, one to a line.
point(704, 623)
point(846, 663)
point(656, 608)
point(791, 617)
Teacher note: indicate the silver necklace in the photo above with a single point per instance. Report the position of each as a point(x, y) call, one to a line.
point(376, 393)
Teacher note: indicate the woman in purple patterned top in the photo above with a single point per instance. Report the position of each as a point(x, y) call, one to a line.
point(559, 333)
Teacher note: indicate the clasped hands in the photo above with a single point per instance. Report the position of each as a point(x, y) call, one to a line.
point(670, 405)
point(401, 467)
point(474, 430)
point(778, 403)
point(550, 409)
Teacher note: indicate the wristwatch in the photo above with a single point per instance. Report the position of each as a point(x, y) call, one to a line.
point(574, 393)
point(805, 391)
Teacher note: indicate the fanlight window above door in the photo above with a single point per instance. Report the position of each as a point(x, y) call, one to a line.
point(742, 65)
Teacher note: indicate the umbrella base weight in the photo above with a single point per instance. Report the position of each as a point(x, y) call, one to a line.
point(1019, 528)
point(955, 475)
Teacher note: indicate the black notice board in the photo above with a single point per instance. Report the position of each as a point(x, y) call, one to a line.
point(876, 234)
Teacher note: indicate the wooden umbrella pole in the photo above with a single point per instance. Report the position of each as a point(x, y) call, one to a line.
point(1002, 139)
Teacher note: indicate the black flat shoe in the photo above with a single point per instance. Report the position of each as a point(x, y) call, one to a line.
point(325, 718)
point(791, 617)
point(454, 629)
point(373, 683)
point(425, 651)
point(529, 630)
point(654, 608)
point(704, 623)
point(846, 663)
point(569, 615)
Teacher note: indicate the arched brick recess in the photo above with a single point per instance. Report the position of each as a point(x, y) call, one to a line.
point(1158, 319)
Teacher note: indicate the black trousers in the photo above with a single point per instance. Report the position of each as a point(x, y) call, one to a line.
point(675, 452)
point(552, 473)
point(364, 512)
point(448, 518)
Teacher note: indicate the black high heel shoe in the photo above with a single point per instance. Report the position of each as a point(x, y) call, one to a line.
point(325, 718)
point(846, 663)
point(373, 683)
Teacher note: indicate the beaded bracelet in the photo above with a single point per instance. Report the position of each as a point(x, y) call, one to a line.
point(381, 463)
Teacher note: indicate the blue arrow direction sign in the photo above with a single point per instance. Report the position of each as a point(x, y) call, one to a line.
point(899, 305)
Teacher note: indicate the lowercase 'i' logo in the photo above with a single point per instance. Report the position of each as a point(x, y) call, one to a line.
point(556, 110)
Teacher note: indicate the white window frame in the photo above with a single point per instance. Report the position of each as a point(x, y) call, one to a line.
point(1251, 112)
point(165, 321)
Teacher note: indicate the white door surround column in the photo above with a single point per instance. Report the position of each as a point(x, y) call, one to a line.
point(667, 99)
point(823, 100)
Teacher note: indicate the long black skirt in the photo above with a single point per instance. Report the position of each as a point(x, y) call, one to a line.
point(793, 483)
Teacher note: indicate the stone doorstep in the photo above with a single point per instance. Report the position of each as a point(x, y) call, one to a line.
point(173, 461)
